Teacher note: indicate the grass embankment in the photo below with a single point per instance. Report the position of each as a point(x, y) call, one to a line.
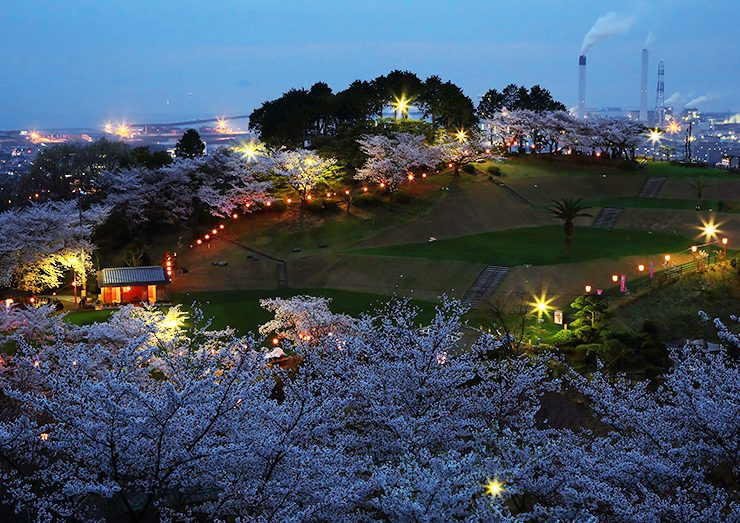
point(241, 309)
point(537, 246)
point(661, 203)
point(674, 306)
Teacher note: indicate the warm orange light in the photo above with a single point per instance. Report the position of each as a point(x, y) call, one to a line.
point(268, 203)
point(488, 151)
point(199, 241)
point(128, 289)
point(169, 263)
point(235, 216)
point(411, 177)
point(693, 248)
point(32, 299)
point(450, 165)
point(308, 197)
point(641, 267)
point(724, 241)
point(207, 237)
point(382, 185)
point(221, 226)
point(328, 195)
point(364, 189)
point(275, 341)
point(214, 231)
point(423, 175)
point(44, 436)
point(615, 278)
point(346, 192)
point(588, 288)
point(667, 257)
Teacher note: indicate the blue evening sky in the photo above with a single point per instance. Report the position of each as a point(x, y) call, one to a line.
point(83, 62)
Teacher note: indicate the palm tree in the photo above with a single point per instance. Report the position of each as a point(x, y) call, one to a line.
point(567, 210)
point(699, 184)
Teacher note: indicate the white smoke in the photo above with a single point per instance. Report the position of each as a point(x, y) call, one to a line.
point(649, 40)
point(700, 99)
point(608, 25)
point(673, 99)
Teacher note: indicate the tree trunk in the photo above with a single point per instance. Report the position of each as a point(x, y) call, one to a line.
point(568, 226)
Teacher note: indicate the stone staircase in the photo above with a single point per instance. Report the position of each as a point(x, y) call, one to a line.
point(652, 186)
point(485, 285)
point(607, 218)
point(515, 194)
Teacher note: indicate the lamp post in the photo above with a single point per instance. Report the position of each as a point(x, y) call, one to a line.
point(588, 289)
point(641, 268)
point(83, 291)
point(724, 246)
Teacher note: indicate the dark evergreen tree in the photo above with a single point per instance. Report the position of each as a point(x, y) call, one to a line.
point(190, 145)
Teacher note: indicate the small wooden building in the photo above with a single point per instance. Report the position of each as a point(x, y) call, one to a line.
point(132, 284)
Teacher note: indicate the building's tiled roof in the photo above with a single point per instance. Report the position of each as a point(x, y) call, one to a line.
point(118, 276)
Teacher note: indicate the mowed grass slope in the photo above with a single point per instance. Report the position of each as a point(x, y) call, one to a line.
point(543, 245)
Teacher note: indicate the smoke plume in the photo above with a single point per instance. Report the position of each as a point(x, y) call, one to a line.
point(700, 99)
point(673, 99)
point(649, 40)
point(608, 25)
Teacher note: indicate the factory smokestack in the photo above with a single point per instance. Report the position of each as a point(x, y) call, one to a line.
point(644, 87)
point(581, 111)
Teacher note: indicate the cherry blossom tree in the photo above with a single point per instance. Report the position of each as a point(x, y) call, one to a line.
point(232, 180)
point(142, 417)
point(42, 241)
point(463, 148)
point(391, 158)
point(303, 318)
point(303, 170)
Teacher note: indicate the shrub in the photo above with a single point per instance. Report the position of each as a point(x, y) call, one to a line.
point(368, 200)
point(564, 337)
point(277, 206)
point(400, 197)
point(468, 168)
point(331, 205)
point(495, 170)
point(315, 206)
point(628, 165)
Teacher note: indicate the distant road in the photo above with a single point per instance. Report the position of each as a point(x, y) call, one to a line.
point(191, 122)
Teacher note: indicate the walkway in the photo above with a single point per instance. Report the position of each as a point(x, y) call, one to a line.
point(652, 186)
point(607, 218)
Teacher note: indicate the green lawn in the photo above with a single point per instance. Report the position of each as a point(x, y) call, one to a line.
point(241, 309)
point(537, 246)
point(659, 203)
point(543, 165)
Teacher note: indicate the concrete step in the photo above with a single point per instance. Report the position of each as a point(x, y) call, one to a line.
point(652, 186)
point(282, 271)
point(607, 218)
point(483, 288)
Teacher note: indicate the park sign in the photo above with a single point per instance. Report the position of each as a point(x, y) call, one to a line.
point(557, 317)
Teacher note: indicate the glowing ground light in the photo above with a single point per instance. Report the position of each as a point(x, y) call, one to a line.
point(235, 216)
point(275, 341)
point(461, 135)
point(541, 305)
point(641, 267)
point(495, 488)
point(221, 226)
point(364, 189)
point(615, 278)
point(588, 289)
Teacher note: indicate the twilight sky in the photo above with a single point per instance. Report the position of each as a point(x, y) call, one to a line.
point(83, 62)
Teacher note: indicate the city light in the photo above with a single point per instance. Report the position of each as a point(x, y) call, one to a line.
point(541, 305)
point(654, 136)
point(461, 135)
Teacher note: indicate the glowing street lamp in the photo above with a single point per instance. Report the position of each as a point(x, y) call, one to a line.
point(401, 105)
point(667, 258)
point(724, 246)
point(588, 289)
point(615, 278)
point(495, 488)
point(461, 135)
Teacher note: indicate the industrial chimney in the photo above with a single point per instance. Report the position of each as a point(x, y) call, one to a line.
point(581, 111)
point(643, 88)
